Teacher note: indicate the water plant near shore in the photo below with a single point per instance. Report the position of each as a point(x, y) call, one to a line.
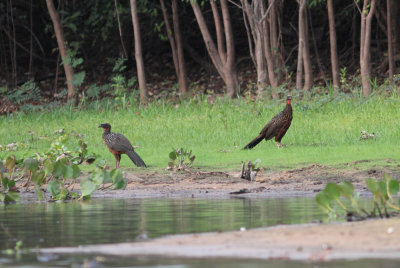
point(58, 169)
point(329, 200)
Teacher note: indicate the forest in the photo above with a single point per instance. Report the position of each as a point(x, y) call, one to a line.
point(70, 50)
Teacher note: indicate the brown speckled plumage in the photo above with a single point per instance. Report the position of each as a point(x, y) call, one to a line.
point(118, 144)
point(277, 127)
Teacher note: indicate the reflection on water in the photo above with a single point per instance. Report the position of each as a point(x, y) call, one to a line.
point(121, 220)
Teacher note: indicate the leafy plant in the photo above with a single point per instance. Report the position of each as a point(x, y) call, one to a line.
point(383, 192)
point(101, 177)
point(58, 149)
point(26, 92)
point(9, 192)
point(183, 157)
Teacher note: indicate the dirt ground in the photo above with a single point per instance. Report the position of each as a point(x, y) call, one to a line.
point(213, 184)
point(310, 242)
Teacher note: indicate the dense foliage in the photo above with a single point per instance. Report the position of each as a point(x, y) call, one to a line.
point(30, 66)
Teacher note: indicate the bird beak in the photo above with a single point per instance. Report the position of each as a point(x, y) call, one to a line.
point(101, 126)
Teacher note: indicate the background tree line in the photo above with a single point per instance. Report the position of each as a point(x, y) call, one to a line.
point(298, 44)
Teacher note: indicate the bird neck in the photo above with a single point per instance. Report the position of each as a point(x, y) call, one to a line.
point(106, 131)
point(288, 102)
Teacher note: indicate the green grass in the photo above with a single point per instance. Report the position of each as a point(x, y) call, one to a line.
point(323, 130)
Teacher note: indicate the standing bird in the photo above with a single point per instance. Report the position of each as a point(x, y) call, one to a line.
point(118, 144)
point(277, 127)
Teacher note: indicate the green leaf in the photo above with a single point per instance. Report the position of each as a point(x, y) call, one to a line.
point(75, 171)
point(11, 183)
point(53, 188)
point(10, 162)
point(67, 172)
point(372, 185)
point(98, 178)
point(332, 190)
point(31, 164)
point(118, 180)
point(38, 177)
point(393, 187)
point(172, 155)
point(5, 182)
point(106, 177)
point(64, 194)
point(58, 169)
point(48, 166)
point(383, 187)
point(2, 197)
point(346, 189)
point(12, 196)
point(323, 201)
point(78, 78)
point(87, 187)
point(39, 192)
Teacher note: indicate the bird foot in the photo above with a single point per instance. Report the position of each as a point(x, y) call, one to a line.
point(280, 145)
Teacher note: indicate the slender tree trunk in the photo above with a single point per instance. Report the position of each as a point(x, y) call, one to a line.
point(365, 53)
point(219, 31)
point(138, 54)
point(176, 45)
point(121, 36)
point(333, 46)
point(226, 68)
point(30, 70)
point(14, 57)
point(183, 83)
point(170, 37)
point(392, 65)
point(308, 72)
point(69, 71)
point(299, 73)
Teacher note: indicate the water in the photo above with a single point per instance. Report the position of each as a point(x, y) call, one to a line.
point(123, 220)
point(98, 221)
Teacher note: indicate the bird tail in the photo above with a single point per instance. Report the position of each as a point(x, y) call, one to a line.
point(136, 159)
point(254, 142)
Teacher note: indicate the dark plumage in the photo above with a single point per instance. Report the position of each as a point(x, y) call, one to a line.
point(118, 144)
point(277, 127)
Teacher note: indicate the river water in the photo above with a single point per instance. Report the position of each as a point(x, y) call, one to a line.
point(100, 221)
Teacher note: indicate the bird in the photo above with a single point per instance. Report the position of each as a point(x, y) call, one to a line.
point(276, 127)
point(118, 144)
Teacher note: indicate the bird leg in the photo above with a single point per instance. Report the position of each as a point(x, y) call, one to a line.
point(280, 145)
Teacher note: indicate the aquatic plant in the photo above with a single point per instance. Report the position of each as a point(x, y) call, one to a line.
point(183, 157)
point(329, 200)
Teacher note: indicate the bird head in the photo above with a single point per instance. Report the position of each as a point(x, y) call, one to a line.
point(105, 126)
point(288, 99)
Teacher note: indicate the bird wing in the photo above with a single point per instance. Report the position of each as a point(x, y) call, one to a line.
point(120, 143)
point(272, 127)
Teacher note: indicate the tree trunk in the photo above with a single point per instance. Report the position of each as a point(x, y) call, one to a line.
point(365, 45)
point(299, 73)
point(226, 68)
point(176, 45)
point(308, 72)
point(183, 83)
point(392, 65)
point(69, 71)
point(121, 36)
point(333, 46)
point(269, 54)
point(138, 54)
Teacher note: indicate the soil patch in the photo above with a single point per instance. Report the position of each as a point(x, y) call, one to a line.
point(311, 242)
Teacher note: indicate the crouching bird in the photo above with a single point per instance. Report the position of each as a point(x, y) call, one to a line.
point(277, 127)
point(118, 144)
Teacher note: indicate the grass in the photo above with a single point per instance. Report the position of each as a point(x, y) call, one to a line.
point(324, 130)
